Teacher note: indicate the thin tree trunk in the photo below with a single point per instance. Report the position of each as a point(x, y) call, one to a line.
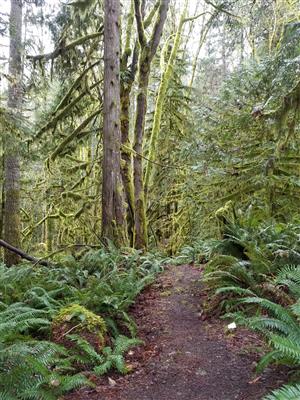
point(126, 153)
point(141, 237)
point(162, 91)
point(2, 192)
point(11, 161)
point(127, 161)
point(113, 210)
point(203, 36)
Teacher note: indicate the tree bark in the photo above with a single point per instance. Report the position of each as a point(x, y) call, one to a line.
point(148, 51)
point(162, 91)
point(11, 158)
point(126, 153)
point(113, 206)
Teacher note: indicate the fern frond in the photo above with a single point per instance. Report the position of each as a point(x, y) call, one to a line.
point(275, 309)
point(288, 392)
point(266, 360)
point(288, 346)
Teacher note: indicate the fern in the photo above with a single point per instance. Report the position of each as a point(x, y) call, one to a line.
point(19, 318)
point(288, 346)
point(114, 358)
point(84, 352)
point(109, 358)
point(288, 392)
point(106, 281)
point(27, 371)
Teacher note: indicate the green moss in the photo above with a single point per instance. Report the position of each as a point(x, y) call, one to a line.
point(223, 211)
point(85, 319)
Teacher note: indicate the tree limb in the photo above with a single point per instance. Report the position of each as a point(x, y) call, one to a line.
point(22, 254)
point(158, 27)
point(148, 19)
point(64, 112)
point(73, 135)
point(139, 23)
point(188, 19)
point(62, 48)
point(221, 9)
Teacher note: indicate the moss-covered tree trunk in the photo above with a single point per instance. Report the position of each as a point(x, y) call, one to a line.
point(162, 91)
point(127, 161)
point(163, 87)
point(126, 88)
point(129, 75)
point(147, 52)
point(141, 240)
point(11, 228)
point(113, 205)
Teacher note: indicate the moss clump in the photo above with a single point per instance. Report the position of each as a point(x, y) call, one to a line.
point(225, 211)
point(78, 319)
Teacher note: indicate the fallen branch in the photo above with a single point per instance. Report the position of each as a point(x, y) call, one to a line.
point(22, 254)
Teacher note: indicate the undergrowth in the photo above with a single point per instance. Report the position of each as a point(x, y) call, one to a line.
point(253, 278)
point(97, 289)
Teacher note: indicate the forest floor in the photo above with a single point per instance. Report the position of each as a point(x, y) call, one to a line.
point(184, 356)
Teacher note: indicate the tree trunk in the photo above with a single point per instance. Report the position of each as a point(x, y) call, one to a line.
point(113, 209)
point(126, 153)
point(127, 160)
point(148, 51)
point(141, 237)
point(162, 92)
point(11, 161)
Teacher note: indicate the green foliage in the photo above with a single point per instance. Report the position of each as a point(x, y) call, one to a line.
point(244, 147)
point(198, 252)
point(35, 298)
point(35, 370)
point(261, 291)
point(114, 358)
point(263, 266)
point(109, 358)
point(291, 392)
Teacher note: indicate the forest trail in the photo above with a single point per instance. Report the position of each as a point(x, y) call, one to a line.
point(184, 357)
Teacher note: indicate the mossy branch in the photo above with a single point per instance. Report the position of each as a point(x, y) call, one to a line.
point(127, 49)
point(221, 9)
point(74, 86)
point(139, 23)
point(27, 231)
point(73, 135)
point(65, 112)
point(158, 27)
point(22, 254)
point(149, 18)
point(62, 48)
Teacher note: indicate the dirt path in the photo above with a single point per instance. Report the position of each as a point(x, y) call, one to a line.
point(184, 358)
